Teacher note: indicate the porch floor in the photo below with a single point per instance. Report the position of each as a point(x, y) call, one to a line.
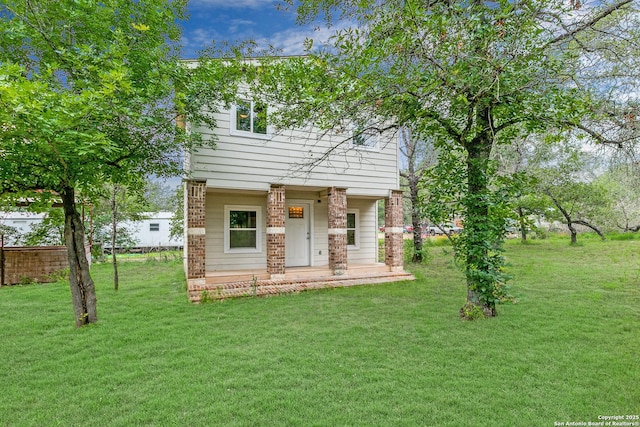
point(239, 283)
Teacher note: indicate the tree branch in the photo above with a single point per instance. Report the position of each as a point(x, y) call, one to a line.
point(590, 23)
point(586, 224)
point(595, 135)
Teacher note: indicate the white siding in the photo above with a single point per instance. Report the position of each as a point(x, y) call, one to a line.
point(240, 162)
point(216, 258)
point(141, 230)
point(142, 234)
point(367, 252)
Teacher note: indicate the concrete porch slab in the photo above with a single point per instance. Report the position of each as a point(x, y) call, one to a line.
point(232, 284)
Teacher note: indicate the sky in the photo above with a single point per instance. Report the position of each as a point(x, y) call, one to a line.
point(237, 20)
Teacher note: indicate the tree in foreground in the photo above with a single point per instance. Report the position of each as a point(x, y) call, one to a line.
point(472, 75)
point(89, 94)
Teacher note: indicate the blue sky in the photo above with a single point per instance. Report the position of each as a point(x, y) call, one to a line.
point(232, 20)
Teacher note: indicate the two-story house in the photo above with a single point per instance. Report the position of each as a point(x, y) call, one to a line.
point(258, 222)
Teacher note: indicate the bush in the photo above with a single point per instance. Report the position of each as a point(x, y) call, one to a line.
point(437, 241)
point(409, 251)
point(540, 233)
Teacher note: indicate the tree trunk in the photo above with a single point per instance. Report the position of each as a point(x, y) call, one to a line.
point(574, 233)
point(568, 218)
point(477, 235)
point(523, 228)
point(83, 291)
point(2, 260)
point(114, 229)
point(415, 219)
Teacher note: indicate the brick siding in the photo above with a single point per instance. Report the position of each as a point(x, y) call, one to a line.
point(393, 222)
point(196, 236)
point(275, 231)
point(337, 206)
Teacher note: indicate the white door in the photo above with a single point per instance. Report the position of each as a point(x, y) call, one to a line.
point(297, 234)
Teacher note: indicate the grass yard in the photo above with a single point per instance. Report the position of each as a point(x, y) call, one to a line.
point(388, 355)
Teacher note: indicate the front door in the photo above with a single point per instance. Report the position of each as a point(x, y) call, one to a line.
point(297, 234)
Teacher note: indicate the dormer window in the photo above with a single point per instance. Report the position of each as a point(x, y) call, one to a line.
point(249, 117)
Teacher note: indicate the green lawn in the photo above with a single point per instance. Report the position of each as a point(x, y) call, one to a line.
point(392, 355)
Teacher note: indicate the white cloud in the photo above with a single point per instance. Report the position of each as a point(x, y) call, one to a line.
point(197, 39)
point(237, 23)
point(291, 41)
point(230, 4)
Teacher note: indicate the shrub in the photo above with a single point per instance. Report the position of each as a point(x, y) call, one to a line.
point(409, 251)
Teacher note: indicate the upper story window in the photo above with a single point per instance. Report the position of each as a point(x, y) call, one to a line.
point(249, 117)
point(365, 139)
point(154, 226)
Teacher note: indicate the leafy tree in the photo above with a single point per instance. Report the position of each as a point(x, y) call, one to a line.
point(576, 203)
point(420, 155)
point(441, 187)
point(563, 172)
point(115, 204)
point(528, 202)
point(159, 195)
point(176, 228)
point(622, 185)
point(11, 236)
point(472, 75)
point(89, 93)
point(529, 205)
point(102, 216)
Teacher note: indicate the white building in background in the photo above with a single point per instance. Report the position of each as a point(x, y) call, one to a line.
point(21, 221)
point(153, 231)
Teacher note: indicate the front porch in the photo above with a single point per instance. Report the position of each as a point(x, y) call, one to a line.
point(240, 283)
point(309, 240)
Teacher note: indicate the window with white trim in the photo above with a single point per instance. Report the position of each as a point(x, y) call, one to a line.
point(154, 226)
point(353, 233)
point(249, 117)
point(365, 139)
point(242, 228)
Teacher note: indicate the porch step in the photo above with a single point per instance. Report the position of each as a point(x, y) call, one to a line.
point(293, 273)
point(235, 276)
point(283, 286)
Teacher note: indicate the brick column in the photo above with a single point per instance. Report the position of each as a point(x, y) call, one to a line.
point(275, 232)
point(337, 205)
point(195, 196)
point(393, 240)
